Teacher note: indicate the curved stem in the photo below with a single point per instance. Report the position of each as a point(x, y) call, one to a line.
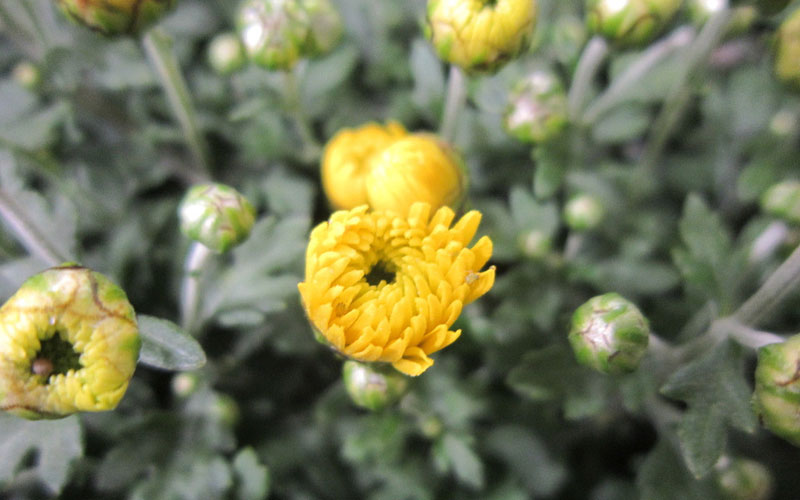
point(591, 59)
point(783, 281)
point(743, 334)
point(158, 49)
point(27, 233)
point(680, 92)
point(294, 107)
point(654, 54)
point(196, 259)
point(456, 99)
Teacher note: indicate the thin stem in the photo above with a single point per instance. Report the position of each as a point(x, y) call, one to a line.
point(618, 90)
point(294, 107)
point(591, 59)
point(196, 259)
point(158, 49)
point(456, 99)
point(679, 94)
point(782, 282)
point(743, 334)
point(27, 233)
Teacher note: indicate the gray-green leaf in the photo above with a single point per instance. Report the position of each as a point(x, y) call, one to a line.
point(166, 346)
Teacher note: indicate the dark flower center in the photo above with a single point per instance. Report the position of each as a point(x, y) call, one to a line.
point(380, 272)
point(56, 356)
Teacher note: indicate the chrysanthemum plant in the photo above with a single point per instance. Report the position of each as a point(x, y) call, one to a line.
point(550, 249)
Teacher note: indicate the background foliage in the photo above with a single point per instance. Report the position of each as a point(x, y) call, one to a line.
point(96, 160)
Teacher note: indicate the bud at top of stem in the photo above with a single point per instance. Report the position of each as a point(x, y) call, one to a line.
point(226, 54)
point(743, 479)
point(349, 158)
point(480, 35)
point(373, 386)
point(115, 17)
point(216, 215)
point(787, 50)
point(583, 212)
point(27, 75)
point(276, 33)
point(630, 23)
point(418, 167)
point(609, 334)
point(783, 200)
point(776, 399)
point(537, 109)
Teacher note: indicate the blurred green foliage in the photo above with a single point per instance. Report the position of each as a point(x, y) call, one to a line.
point(678, 157)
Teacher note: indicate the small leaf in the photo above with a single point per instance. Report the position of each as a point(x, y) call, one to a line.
point(717, 394)
point(551, 169)
point(528, 457)
point(663, 476)
point(58, 443)
point(462, 460)
point(166, 346)
point(621, 125)
point(251, 475)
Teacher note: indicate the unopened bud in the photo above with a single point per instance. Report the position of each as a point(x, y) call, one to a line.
point(743, 479)
point(783, 200)
point(217, 216)
point(609, 334)
point(630, 23)
point(776, 399)
point(226, 54)
point(537, 109)
point(115, 17)
point(583, 212)
point(373, 386)
point(787, 50)
point(27, 75)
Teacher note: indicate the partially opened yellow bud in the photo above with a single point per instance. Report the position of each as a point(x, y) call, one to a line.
point(480, 35)
point(69, 342)
point(419, 167)
point(348, 158)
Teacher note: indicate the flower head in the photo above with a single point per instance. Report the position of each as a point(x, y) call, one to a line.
point(630, 22)
point(115, 17)
point(216, 215)
point(348, 159)
point(381, 287)
point(418, 167)
point(68, 342)
point(480, 35)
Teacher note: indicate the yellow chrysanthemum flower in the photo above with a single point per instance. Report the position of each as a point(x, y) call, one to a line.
point(418, 167)
point(387, 288)
point(68, 342)
point(480, 35)
point(348, 158)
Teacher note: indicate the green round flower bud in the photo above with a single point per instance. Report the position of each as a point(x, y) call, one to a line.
point(609, 334)
point(700, 11)
point(787, 50)
point(185, 384)
point(217, 216)
point(69, 342)
point(325, 27)
point(276, 33)
point(373, 386)
point(537, 109)
point(583, 212)
point(630, 23)
point(743, 479)
point(535, 244)
point(226, 54)
point(783, 200)
point(27, 75)
point(776, 399)
point(115, 17)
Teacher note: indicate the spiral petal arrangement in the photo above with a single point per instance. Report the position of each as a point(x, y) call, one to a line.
point(381, 287)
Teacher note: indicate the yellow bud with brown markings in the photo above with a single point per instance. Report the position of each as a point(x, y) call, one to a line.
point(69, 342)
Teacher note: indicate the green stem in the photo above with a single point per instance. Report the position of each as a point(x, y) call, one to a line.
point(294, 108)
point(589, 63)
point(619, 89)
point(158, 49)
point(731, 328)
point(454, 103)
point(195, 262)
point(781, 283)
point(680, 93)
point(27, 233)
